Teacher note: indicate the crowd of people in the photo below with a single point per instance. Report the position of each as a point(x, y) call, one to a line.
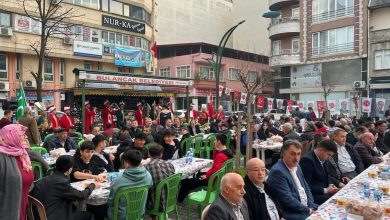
point(318, 158)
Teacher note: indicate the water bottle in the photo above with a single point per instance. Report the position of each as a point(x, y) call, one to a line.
point(367, 193)
point(186, 158)
point(190, 156)
point(378, 195)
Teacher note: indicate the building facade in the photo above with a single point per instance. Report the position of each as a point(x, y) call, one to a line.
point(316, 43)
point(379, 49)
point(102, 33)
point(190, 61)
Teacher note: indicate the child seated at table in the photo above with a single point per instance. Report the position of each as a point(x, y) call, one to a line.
point(84, 167)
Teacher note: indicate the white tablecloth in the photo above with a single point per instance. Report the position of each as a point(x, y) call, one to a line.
point(263, 146)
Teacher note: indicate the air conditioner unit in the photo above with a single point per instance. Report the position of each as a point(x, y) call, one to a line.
point(359, 84)
point(5, 31)
point(68, 41)
point(30, 84)
point(4, 86)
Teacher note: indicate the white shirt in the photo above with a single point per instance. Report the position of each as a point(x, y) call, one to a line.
point(301, 190)
point(271, 207)
point(345, 162)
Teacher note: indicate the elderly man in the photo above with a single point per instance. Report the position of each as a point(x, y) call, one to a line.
point(261, 202)
point(346, 163)
point(61, 140)
point(289, 132)
point(364, 148)
point(313, 168)
point(32, 131)
point(229, 204)
point(352, 138)
point(286, 180)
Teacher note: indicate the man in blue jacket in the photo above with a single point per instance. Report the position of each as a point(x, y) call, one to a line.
point(287, 182)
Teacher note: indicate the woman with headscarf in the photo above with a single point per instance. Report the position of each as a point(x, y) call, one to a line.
point(16, 175)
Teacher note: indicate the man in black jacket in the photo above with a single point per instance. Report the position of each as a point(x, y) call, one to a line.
point(56, 194)
point(258, 197)
point(380, 143)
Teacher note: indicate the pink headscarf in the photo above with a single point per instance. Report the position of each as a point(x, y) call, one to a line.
point(11, 143)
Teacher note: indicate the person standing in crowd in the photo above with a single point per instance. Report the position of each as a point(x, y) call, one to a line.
point(139, 115)
point(164, 115)
point(261, 202)
point(134, 175)
point(57, 195)
point(387, 112)
point(61, 140)
point(193, 112)
point(203, 115)
point(120, 115)
point(229, 203)
point(286, 180)
point(313, 166)
point(364, 148)
point(313, 115)
point(89, 117)
point(54, 120)
point(108, 115)
point(146, 109)
point(159, 170)
point(67, 120)
point(220, 114)
point(16, 173)
point(7, 119)
point(32, 127)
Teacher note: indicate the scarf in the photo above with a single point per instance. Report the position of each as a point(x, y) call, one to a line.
point(11, 143)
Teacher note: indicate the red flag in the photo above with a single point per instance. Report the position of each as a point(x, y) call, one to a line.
point(260, 102)
point(235, 96)
point(289, 105)
point(154, 49)
point(210, 107)
point(321, 106)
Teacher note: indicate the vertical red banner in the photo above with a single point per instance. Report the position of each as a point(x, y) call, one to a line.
point(260, 102)
point(289, 105)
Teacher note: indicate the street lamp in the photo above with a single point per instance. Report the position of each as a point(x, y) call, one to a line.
point(216, 64)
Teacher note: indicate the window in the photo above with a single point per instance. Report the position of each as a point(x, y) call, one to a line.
point(49, 73)
point(118, 39)
point(340, 40)
point(233, 73)
point(17, 66)
point(96, 35)
point(165, 72)
point(331, 9)
point(104, 5)
point(295, 45)
point(125, 40)
point(382, 59)
point(183, 72)
point(62, 70)
point(295, 12)
point(3, 66)
point(276, 47)
point(87, 3)
point(5, 19)
point(116, 7)
point(137, 12)
point(252, 75)
point(78, 32)
point(138, 42)
point(126, 10)
point(111, 38)
point(206, 73)
point(87, 65)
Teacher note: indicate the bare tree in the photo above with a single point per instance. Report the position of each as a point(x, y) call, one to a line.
point(254, 80)
point(52, 17)
point(327, 85)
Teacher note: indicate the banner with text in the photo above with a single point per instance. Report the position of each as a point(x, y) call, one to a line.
point(128, 57)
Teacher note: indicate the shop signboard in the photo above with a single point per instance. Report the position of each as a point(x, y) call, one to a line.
point(132, 26)
point(87, 49)
point(128, 57)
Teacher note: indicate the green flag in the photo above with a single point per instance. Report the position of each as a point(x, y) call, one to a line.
point(21, 103)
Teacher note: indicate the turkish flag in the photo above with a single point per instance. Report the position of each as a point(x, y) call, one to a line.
point(154, 49)
point(235, 96)
point(321, 106)
point(260, 102)
point(289, 105)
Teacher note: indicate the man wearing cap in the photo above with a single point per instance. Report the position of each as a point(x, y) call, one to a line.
point(54, 120)
point(139, 115)
point(61, 140)
point(120, 115)
point(67, 120)
point(89, 117)
point(108, 115)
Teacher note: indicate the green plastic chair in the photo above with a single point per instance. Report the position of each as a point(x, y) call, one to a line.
point(79, 135)
point(186, 144)
point(229, 165)
point(48, 137)
point(208, 146)
point(229, 139)
point(171, 183)
point(40, 150)
point(80, 143)
point(198, 146)
point(135, 197)
point(204, 197)
point(37, 169)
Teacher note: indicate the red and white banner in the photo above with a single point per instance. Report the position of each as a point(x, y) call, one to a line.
point(366, 104)
point(380, 105)
point(279, 103)
point(301, 105)
point(332, 105)
point(310, 104)
point(227, 91)
point(270, 102)
point(220, 90)
point(243, 98)
point(235, 95)
point(289, 105)
point(321, 106)
point(260, 102)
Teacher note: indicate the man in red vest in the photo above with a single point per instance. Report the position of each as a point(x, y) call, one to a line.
point(67, 120)
point(54, 120)
point(89, 117)
point(139, 115)
point(108, 115)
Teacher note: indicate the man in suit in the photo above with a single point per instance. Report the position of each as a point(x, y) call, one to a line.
point(289, 132)
point(261, 202)
point(32, 132)
point(229, 203)
point(287, 182)
point(314, 170)
point(381, 126)
point(365, 149)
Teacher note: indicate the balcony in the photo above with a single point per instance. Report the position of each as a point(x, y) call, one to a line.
point(280, 27)
point(284, 58)
point(275, 5)
point(333, 49)
point(332, 15)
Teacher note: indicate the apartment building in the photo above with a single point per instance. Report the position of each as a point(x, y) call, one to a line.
point(101, 29)
point(319, 41)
